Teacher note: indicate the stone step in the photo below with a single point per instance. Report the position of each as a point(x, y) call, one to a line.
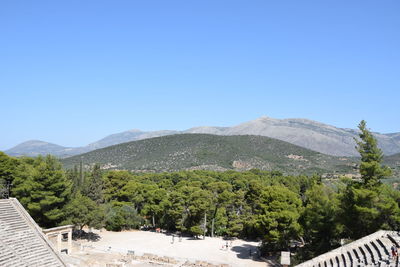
point(372, 253)
point(379, 250)
point(346, 259)
point(21, 241)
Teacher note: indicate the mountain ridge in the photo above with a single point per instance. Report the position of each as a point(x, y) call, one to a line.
point(314, 135)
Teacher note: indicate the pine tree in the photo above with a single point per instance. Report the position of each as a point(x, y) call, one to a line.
point(43, 189)
point(371, 169)
point(366, 206)
point(82, 211)
point(7, 167)
point(319, 220)
point(277, 217)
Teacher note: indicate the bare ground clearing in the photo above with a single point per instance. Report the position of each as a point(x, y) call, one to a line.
point(116, 245)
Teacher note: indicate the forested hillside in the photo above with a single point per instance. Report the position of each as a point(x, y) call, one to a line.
point(212, 152)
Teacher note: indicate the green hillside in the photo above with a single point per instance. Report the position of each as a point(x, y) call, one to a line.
point(394, 162)
point(204, 151)
point(393, 159)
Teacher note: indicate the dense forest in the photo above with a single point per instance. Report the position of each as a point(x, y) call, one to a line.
point(306, 214)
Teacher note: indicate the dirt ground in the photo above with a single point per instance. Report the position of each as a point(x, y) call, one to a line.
point(155, 249)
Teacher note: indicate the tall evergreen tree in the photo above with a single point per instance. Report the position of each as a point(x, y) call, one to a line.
point(43, 189)
point(73, 177)
point(371, 169)
point(7, 167)
point(277, 216)
point(221, 194)
point(82, 211)
point(95, 185)
point(318, 220)
point(367, 206)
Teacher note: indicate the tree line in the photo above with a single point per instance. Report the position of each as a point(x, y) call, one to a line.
point(269, 206)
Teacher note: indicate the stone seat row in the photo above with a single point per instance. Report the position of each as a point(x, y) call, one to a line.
point(21, 241)
point(372, 250)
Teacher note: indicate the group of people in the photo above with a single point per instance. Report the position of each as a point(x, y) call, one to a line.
point(173, 239)
point(227, 245)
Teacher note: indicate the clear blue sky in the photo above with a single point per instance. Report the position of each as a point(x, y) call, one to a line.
point(72, 72)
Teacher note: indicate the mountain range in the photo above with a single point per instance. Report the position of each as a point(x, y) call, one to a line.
point(306, 133)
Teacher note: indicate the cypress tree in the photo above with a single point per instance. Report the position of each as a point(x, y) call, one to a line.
point(95, 187)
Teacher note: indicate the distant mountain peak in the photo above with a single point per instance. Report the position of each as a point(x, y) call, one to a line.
point(265, 118)
point(34, 148)
point(135, 131)
point(35, 143)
